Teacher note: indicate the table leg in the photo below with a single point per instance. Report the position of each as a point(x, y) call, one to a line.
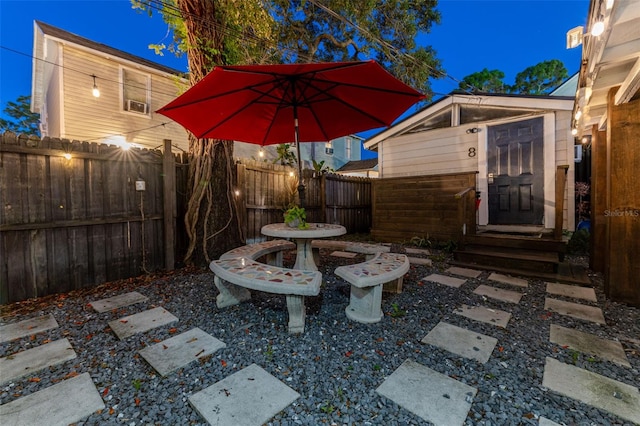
point(304, 255)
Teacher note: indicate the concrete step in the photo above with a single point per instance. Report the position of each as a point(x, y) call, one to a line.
point(141, 322)
point(27, 327)
point(35, 359)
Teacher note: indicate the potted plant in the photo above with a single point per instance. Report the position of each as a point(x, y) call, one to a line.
point(296, 217)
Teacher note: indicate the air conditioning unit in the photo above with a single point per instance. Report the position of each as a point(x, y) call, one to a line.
point(577, 153)
point(135, 106)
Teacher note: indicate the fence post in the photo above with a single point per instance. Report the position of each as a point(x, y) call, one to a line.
point(323, 198)
point(169, 197)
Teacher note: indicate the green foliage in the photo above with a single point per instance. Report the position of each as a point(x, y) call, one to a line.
point(579, 243)
point(484, 81)
point(137, 384)
point(320, 167)
point(421, 241)
point(23, 121)
point(396, 312)
point(286, 157)
point(296, 213)
point(282, 31)
point(268, 353)
point(534, 80)
point(328, 408)
point(540, 78)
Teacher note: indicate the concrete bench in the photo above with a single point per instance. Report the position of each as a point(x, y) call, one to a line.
point(370, 250)
point(235, 275)
point(272, 249)
point(367, 279)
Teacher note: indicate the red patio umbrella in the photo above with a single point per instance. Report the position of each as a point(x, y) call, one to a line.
point(273, 104)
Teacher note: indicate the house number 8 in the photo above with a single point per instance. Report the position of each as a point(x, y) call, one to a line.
point(472, 152)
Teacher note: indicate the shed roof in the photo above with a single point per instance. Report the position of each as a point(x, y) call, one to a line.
point(357, 165)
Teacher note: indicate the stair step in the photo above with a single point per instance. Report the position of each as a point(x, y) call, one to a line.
point(567, 273)
point(512, 252)
point(513, 241)
point(543, 262)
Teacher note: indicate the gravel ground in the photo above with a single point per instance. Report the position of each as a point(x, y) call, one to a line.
point(336, 365)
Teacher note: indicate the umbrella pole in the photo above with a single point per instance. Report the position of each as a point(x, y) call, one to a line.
point(300, 182)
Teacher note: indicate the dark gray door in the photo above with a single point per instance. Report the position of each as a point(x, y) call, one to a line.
point(516, 173)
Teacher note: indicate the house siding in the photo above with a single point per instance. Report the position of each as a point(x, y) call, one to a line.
point(434, 152)
point(87, 117)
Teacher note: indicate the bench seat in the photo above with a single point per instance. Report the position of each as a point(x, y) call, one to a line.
point(234, 276)
point(367, 279)
point(272, 249)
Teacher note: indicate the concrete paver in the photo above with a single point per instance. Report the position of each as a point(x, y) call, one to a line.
point(344, 254)
point(610, 395)
point(428, 394)
point(465, 272)
point(59, 405)
point(575, 310)
point(498, 293)
point(483, 314)
point(445, 279)
point(573, 291)
point(420, 261)
point(507, 279)
point(27, 327)
point(543, 421)
point(178, 351)
point(115, 302)
point(35, 359)
point(589, 344)
point(141, 322)
point(410, 250)
point(461, 341)
point(249, 397)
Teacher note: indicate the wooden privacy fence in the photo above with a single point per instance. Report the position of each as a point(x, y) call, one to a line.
point(265, 190)
point(75, 214)
point(439, 207)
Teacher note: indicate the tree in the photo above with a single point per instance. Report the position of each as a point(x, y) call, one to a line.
point(540, 78)
point(484, 81)
point(222, 32)
point(24, 121)
point(534, 80)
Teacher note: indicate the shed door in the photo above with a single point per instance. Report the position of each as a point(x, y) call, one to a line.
point(516, 173)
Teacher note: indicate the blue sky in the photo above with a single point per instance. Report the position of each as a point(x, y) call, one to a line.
point(509, 35)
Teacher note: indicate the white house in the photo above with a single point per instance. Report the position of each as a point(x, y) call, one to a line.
point(513, 142)
point(66, 67)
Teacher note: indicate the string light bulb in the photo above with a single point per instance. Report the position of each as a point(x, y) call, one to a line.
point(261, 153)
point(67, 156)
point(96, 91)
point(574, 131)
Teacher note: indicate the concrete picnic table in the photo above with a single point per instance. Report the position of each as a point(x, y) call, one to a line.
point(302, 238)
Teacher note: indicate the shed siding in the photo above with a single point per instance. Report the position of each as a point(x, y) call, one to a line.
point(87, 117)
point(435, 152)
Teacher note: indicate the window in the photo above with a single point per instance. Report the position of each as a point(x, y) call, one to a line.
point(328, 148)
point(135, 91)
point(347, 148)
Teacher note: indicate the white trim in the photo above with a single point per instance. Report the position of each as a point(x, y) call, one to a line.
point(549, 171)
point(61, 91)
point(483, 170)
point(529, 103)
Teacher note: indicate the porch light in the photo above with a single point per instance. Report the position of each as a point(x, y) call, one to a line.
point(67, 155)
point(96, 91)
point(598, 29)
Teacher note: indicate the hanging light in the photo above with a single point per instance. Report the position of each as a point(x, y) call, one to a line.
point(261, 153)
point(96, 91)
point(574, 131)
point(598, 29)
point(578, 114)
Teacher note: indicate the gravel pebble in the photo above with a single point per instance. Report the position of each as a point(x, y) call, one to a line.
point(336, 365)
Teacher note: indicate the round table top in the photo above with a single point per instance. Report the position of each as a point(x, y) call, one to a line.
point(315, 230)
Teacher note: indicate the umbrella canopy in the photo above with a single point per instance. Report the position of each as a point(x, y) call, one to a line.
point(273, 104)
